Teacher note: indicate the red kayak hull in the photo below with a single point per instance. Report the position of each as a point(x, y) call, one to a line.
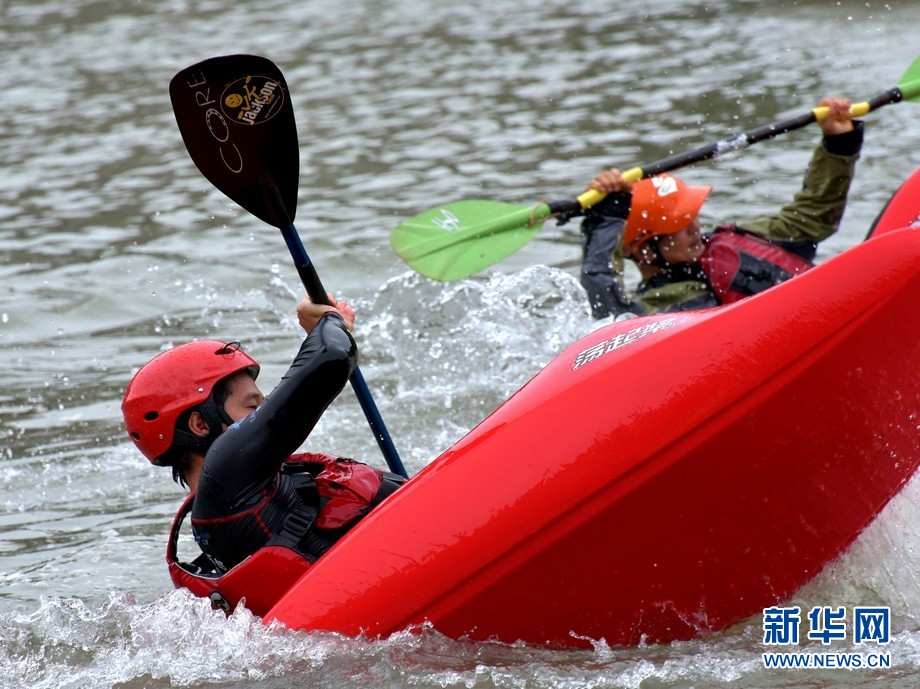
point(902, 209)
point(662, 478)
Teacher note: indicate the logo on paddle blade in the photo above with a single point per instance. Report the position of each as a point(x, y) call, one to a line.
point(252, 100)
point(448, 222)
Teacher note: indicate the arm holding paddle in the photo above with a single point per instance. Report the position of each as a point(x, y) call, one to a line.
point(602, 229)
point(815, 212)
point(818, 207)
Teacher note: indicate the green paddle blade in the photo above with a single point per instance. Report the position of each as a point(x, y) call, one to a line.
point(444, 243)
point(909, 86)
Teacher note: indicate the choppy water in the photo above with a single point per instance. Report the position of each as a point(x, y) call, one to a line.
point(113, 246)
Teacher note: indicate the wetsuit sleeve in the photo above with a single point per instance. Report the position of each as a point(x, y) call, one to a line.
point(249, 455)
point(817, 209)
point(601, 230)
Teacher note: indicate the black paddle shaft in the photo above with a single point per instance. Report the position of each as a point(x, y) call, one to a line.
point(734, 143)
point(753, 136)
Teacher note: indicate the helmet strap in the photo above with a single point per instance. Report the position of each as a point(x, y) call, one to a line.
point(215, 417)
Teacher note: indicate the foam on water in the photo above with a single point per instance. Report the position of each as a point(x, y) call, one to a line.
point(494, 334)
point(179, 641)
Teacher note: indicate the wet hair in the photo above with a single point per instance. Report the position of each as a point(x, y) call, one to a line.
point(179, 462)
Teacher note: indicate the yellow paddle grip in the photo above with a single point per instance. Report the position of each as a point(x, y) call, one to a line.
point(856, 110)
point(592, 197)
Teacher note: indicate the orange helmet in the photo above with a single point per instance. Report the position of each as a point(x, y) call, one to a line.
point(661, 205)
point(176, 380)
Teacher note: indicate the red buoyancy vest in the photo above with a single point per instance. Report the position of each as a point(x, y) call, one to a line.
point(348, 490)
point(739, 263)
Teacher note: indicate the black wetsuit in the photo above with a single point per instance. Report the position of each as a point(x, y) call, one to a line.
point(243, 497)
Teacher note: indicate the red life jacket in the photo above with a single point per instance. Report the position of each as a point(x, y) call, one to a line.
point(739, 263)
point(347, 491)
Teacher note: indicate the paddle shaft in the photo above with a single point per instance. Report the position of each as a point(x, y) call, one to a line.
point(317, 293)
point(735, 143)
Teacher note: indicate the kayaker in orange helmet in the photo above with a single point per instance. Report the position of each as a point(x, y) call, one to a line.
point(655, 223)
point(197, 409)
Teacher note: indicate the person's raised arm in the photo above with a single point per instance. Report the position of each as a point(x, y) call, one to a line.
point(250, 453)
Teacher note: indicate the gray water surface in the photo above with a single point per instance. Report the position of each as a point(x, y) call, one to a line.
point(112, 247)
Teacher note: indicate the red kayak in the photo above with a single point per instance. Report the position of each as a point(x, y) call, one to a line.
point(902, 210)
point(662, 478)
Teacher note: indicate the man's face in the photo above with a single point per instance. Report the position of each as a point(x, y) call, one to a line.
point(244, 397)
point(685, 246)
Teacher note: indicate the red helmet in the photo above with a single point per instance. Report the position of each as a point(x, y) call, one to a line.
point(661, 205)
point(176, 380)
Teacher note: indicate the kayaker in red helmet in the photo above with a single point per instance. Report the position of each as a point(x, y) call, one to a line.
point(196, 408)
point(655, 223)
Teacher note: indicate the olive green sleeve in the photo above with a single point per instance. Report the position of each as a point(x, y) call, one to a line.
point(677, 296)
point(817, 208)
